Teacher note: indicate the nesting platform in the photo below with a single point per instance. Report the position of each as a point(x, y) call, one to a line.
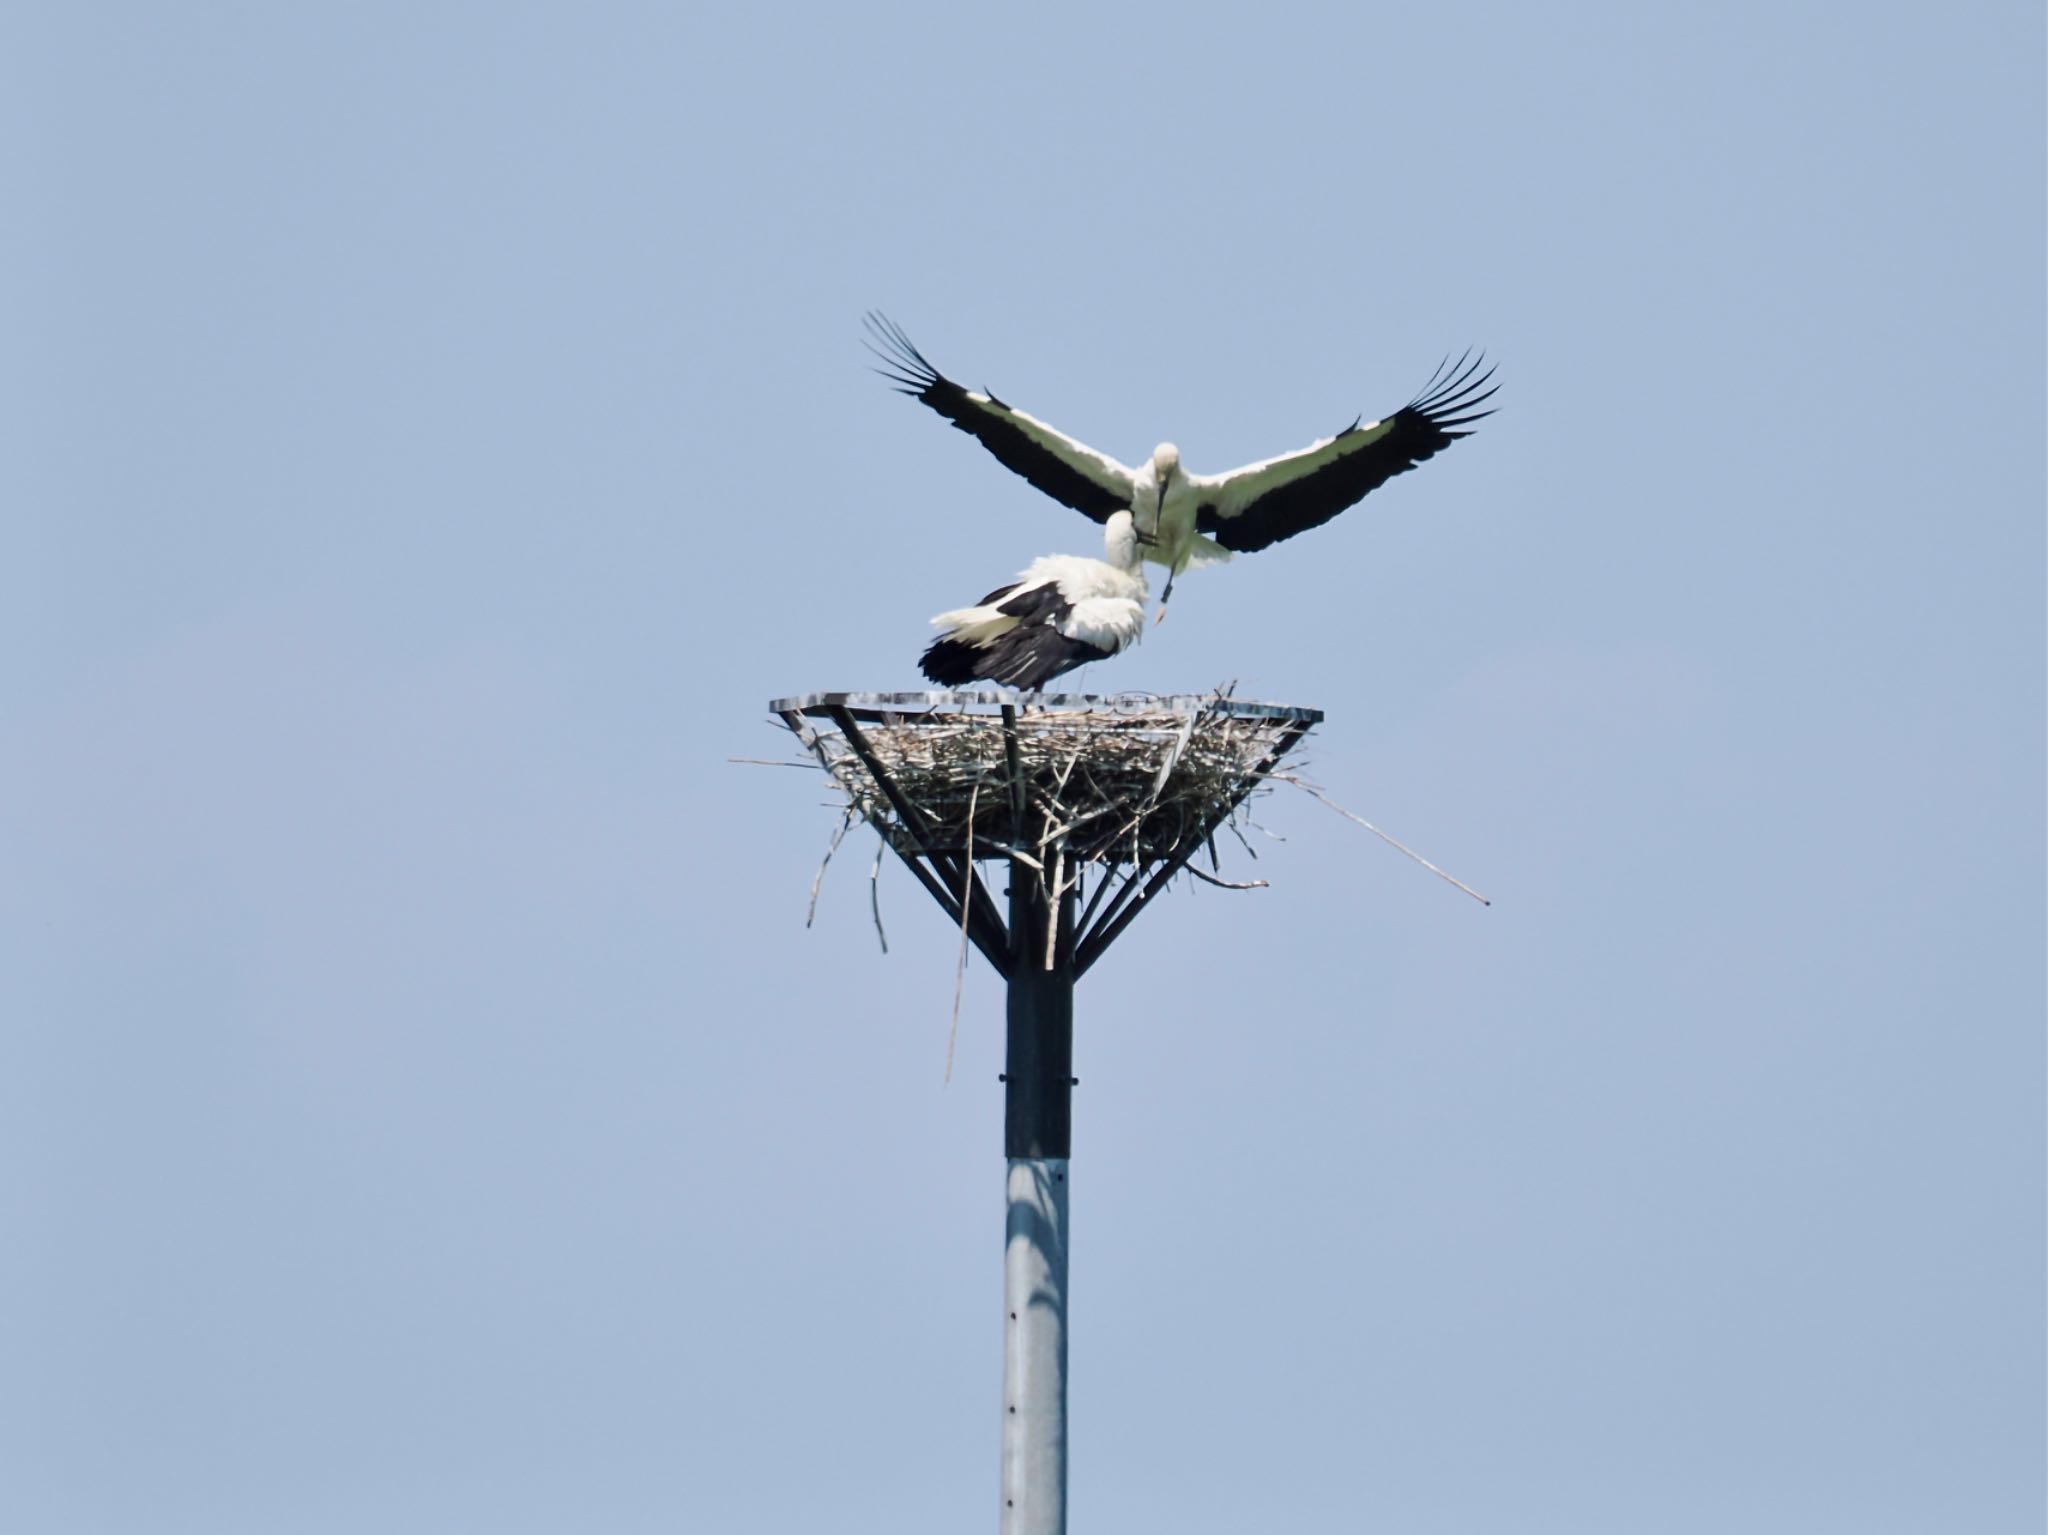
point(1101, 799)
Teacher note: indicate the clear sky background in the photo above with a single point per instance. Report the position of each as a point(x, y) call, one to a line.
point(434, 432)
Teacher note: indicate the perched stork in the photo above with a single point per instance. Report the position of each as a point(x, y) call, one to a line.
point(1063, 612)
point(1185, 521)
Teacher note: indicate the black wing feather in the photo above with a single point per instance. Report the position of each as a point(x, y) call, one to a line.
point(905, 367)
point(1443, 412)
point(1027, 656)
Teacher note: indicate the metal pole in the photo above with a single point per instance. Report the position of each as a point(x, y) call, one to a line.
point(1037, 1142)
point(1035, 1349)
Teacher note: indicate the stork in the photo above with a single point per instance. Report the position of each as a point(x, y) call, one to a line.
point(1063, 611)
point(1185, 521)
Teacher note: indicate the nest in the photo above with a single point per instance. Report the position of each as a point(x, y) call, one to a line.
point(1132, 779)
point(1099, 803)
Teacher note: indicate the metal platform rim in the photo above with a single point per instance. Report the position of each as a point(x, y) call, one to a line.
point(1047, 703)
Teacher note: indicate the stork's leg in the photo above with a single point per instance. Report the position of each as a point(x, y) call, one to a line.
point(1160, 617)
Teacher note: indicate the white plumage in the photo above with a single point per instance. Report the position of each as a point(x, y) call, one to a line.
point(1184, 520)
point(1063, 611)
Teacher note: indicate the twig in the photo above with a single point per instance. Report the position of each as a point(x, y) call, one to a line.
point(1225, 884)
point(1265, 831)
point(1187, 734)
point(875, 889)
point(1398, 846)
point(1011, 850)
point(818, 879)
point(1053, 898)
point(960, 966)
point(772, 762)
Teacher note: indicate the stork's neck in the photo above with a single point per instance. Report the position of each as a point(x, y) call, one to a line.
point(1120, 544)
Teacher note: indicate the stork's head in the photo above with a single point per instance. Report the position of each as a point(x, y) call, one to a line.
point(1165, 465)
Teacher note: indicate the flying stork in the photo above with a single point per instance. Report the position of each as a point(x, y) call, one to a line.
point(1062, 612)
point(1186, 521)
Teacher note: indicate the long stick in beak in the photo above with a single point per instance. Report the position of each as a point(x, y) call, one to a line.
point(1158, 518)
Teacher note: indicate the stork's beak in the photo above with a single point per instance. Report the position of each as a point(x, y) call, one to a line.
point(1159, 510)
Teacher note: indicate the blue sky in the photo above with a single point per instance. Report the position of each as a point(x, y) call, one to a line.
point(436, 432)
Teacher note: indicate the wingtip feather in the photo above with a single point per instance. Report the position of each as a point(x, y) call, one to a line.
point(904, 364)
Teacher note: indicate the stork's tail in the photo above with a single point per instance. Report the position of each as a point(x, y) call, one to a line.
point(951, 664)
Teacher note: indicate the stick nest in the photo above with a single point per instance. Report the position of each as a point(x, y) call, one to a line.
point(1126, 780)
